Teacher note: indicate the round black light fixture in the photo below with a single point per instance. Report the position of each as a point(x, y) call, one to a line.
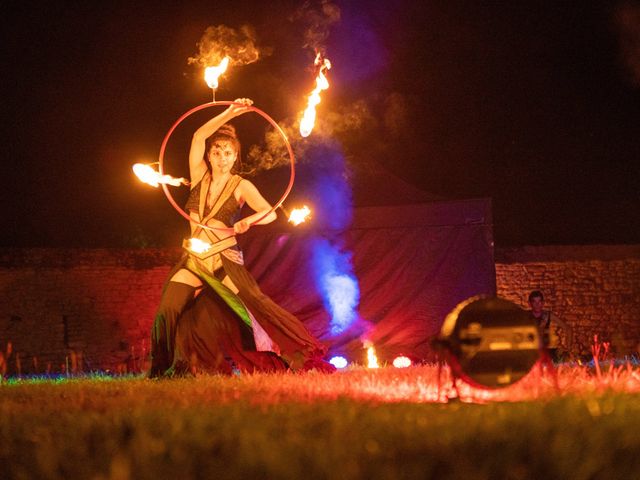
point(490, 342)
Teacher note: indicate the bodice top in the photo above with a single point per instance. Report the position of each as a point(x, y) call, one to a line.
point(227, 213)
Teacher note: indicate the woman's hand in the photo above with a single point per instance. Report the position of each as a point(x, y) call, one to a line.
point(197, 164)
point(240, 106)
point(241, 226)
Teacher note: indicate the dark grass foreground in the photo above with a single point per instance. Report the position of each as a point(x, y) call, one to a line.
point(358, 424)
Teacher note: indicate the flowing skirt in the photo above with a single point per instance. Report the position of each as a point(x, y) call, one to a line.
point(216, 331)
point(210, 338)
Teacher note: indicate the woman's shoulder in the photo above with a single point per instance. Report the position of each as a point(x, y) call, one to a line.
point(199, 182)
point(241, 182)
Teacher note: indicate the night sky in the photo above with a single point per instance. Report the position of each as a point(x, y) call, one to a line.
point(537, 107)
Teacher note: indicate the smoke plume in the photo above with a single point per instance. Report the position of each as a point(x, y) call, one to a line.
point(221, 41)
point(627, 19)
point(318, 20)
point(338, 285)
point(329, 191)
point(347, 121)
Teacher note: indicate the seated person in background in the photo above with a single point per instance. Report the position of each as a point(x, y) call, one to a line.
point(549, 325)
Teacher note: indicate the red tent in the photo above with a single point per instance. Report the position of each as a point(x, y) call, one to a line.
point(414, 260)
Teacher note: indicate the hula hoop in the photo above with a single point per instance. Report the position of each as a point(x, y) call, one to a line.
point(163, 147)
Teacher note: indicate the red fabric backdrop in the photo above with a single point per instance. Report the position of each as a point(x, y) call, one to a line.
point(414, 263)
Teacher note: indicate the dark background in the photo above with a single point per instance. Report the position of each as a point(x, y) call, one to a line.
point(536, 106)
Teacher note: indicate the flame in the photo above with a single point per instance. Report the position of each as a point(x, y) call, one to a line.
point(198, 246)
point(299, 215)
point(372, 360)
point(309, 115)
point(148, 175)
point(211, 74)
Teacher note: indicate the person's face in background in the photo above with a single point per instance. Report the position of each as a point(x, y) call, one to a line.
point(537, 304)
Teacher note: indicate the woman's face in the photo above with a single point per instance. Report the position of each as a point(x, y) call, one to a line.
point(222, 156)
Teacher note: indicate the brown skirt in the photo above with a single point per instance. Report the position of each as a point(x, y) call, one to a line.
point(211, 337)
point(297, 346)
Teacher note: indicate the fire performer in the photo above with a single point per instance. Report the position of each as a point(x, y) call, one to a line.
point(213, 317)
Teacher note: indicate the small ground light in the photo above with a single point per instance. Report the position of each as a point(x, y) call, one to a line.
point(490, 342)
point(338, 361)
point(402, 362)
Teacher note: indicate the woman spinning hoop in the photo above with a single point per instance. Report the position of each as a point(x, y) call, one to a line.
point(213, 317)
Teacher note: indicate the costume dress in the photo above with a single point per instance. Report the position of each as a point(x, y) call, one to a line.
point(231, 324)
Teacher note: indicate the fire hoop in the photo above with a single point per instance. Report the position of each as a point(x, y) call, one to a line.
point(213, 104)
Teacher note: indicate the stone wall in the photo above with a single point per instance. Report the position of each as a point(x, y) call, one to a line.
point(56, 305)
point(595, 289)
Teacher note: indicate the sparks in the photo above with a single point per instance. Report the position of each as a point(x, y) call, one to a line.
point(211, 74)
point(299, 215)
point(148, 175)
point(198, 246)
point(309, 116)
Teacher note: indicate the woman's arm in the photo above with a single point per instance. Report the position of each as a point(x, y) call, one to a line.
point(250, 194)
point(197, 165)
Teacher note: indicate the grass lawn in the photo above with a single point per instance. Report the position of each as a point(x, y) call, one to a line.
point(360, 423)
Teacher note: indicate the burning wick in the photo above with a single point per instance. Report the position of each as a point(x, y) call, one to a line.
point(372, 360)
point(299, 215)
point(211, 75)
point(309, 116)
point(148, 175)
point(198, 246)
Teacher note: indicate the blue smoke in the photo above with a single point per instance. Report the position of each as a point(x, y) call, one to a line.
point(337, 283)
point(356, 47)
point(332, 266)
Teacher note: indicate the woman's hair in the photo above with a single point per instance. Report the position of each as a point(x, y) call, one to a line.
point(225, 132)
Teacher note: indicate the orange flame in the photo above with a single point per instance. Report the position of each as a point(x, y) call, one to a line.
point(372, 359)
point(211, 74)
point(299, 215)
point(198, 246)
point(148, 175)
point(309, 115)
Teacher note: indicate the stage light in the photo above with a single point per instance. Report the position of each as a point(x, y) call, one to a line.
point(490, 342)
point(339, 362)
point(402, 362)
